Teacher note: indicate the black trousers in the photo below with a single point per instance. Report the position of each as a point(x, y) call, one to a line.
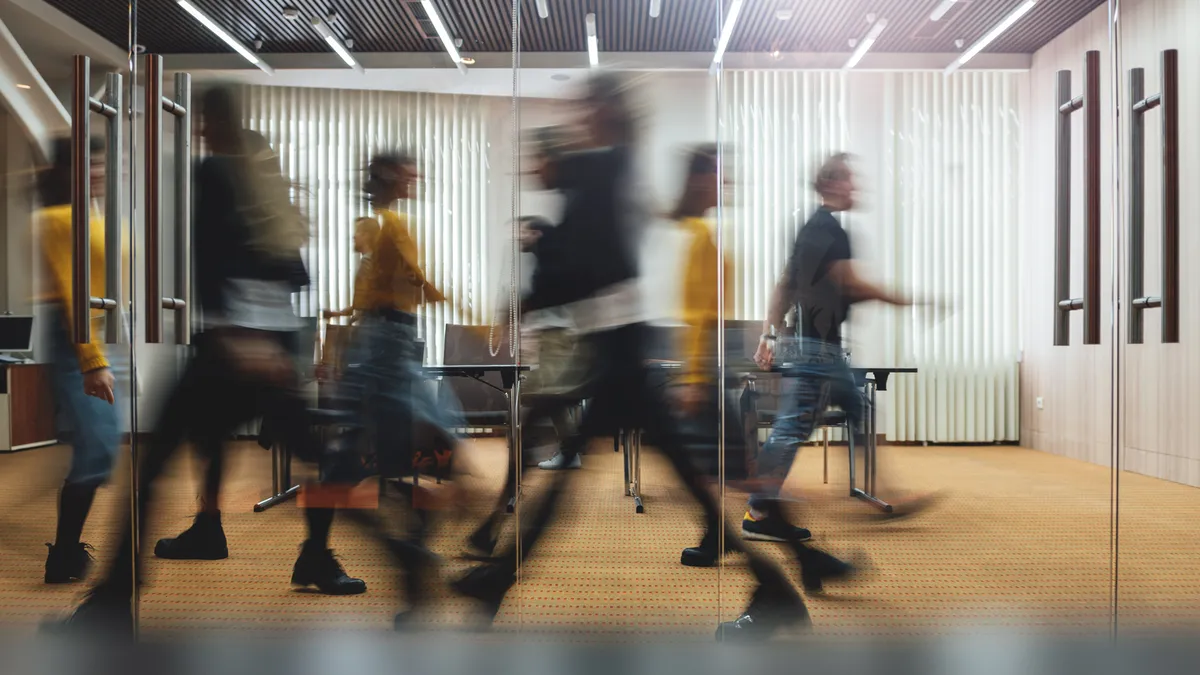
point(625, 398)
point(209, 402)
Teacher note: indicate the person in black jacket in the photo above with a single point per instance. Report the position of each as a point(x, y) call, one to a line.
point(595, 280)
point(247, 265)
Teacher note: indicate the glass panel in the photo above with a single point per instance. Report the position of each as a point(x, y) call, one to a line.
point(1158, 589)
point(65, 410)
point(973, 424)
point(618, 111)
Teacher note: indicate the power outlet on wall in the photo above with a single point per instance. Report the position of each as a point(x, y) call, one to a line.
point(1041, 405)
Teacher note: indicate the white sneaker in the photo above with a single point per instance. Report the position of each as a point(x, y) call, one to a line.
point(558, 463)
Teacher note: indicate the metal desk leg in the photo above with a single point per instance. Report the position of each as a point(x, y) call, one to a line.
point(869, 458)
point(825, 439)
point(514, 438)
point(622, 439)
point(281, 479)
point(637, 472)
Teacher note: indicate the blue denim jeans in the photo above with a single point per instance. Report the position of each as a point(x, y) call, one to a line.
point(817, 377)
point(398, 404)
point(92, 426)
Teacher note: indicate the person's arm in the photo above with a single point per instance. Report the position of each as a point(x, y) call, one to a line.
point(860, 289)
point(55, 242)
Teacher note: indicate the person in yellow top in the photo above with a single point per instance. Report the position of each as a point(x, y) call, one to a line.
point(84, 385)
point(387, 378)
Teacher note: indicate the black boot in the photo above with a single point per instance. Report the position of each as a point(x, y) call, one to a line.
point(67, 563)
point(318, 567)
point(705, 555)
point(769, 610)
point(204, 540)
point(68, 559)
point(420, 565)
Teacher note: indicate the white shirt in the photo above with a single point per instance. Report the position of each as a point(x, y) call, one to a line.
point(257, 304)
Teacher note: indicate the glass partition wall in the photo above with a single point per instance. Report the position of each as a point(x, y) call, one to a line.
point(893, 292)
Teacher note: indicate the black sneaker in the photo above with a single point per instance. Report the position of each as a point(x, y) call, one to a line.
point(68, 563)
point(319, 567)
point(772, 529)
point(204, 540)
point(817, 567)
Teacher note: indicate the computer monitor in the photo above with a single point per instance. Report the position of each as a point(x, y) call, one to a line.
point(16, 333)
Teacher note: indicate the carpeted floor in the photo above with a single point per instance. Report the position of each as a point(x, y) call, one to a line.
point(1020, 541)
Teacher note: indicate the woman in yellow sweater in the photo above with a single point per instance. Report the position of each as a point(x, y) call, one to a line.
point(84, 385)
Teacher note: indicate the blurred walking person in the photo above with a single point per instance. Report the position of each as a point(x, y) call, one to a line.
point(595, 280)
point(247, 240)
point(85, 387)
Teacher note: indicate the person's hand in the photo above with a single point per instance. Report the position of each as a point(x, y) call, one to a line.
point(764, 356)
point(332, 313)
point(99, 383)
point(528, 237)
point(691, 398)
point(432, 294)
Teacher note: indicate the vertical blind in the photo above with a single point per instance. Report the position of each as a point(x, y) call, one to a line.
point(777, 125)
point(956, 163)
point(948, 225)
point(324, 139)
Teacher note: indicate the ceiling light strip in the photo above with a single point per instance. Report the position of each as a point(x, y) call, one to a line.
point(866, 44)
point(940, 10)
point(336, 45)
point(655, 8)
point(1004, 25)
point(443, 34)
point(543, 8)
point(735, 9)
point(228, 39)
point(593, 45)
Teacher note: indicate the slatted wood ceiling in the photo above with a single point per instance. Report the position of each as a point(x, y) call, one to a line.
point(623, 25)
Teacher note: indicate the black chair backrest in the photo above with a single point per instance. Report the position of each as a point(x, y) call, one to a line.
point(468, 345)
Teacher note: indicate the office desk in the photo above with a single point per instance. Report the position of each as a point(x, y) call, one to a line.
point(26, 407)
point(281, 456)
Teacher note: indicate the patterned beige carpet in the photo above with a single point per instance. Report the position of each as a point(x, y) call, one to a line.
point(1020, 541)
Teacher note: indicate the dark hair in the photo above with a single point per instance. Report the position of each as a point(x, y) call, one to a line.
point(702, 161)
point(54, 179)
point(609, 92)
point(221, 107)
point(383, 171)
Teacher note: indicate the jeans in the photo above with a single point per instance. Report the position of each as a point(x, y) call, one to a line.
point(817, 378)
point(91, 425)
point(399, 407)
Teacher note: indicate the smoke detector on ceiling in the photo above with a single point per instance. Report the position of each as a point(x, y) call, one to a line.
point(349, 42)
point(291, 13)
point(332, 16)
point(959, 43)
point(257, 44)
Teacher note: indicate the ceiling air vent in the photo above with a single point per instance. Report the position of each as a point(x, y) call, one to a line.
point(929, 30)
point(420, 18)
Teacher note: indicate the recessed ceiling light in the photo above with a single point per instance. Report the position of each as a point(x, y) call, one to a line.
point(468, 60)
point(22, 86)
point(291, 13)
point(560, 77)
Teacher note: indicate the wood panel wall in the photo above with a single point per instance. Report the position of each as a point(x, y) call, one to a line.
point(1158, 395)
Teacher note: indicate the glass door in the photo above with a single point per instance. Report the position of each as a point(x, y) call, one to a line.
point(1157, 583)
